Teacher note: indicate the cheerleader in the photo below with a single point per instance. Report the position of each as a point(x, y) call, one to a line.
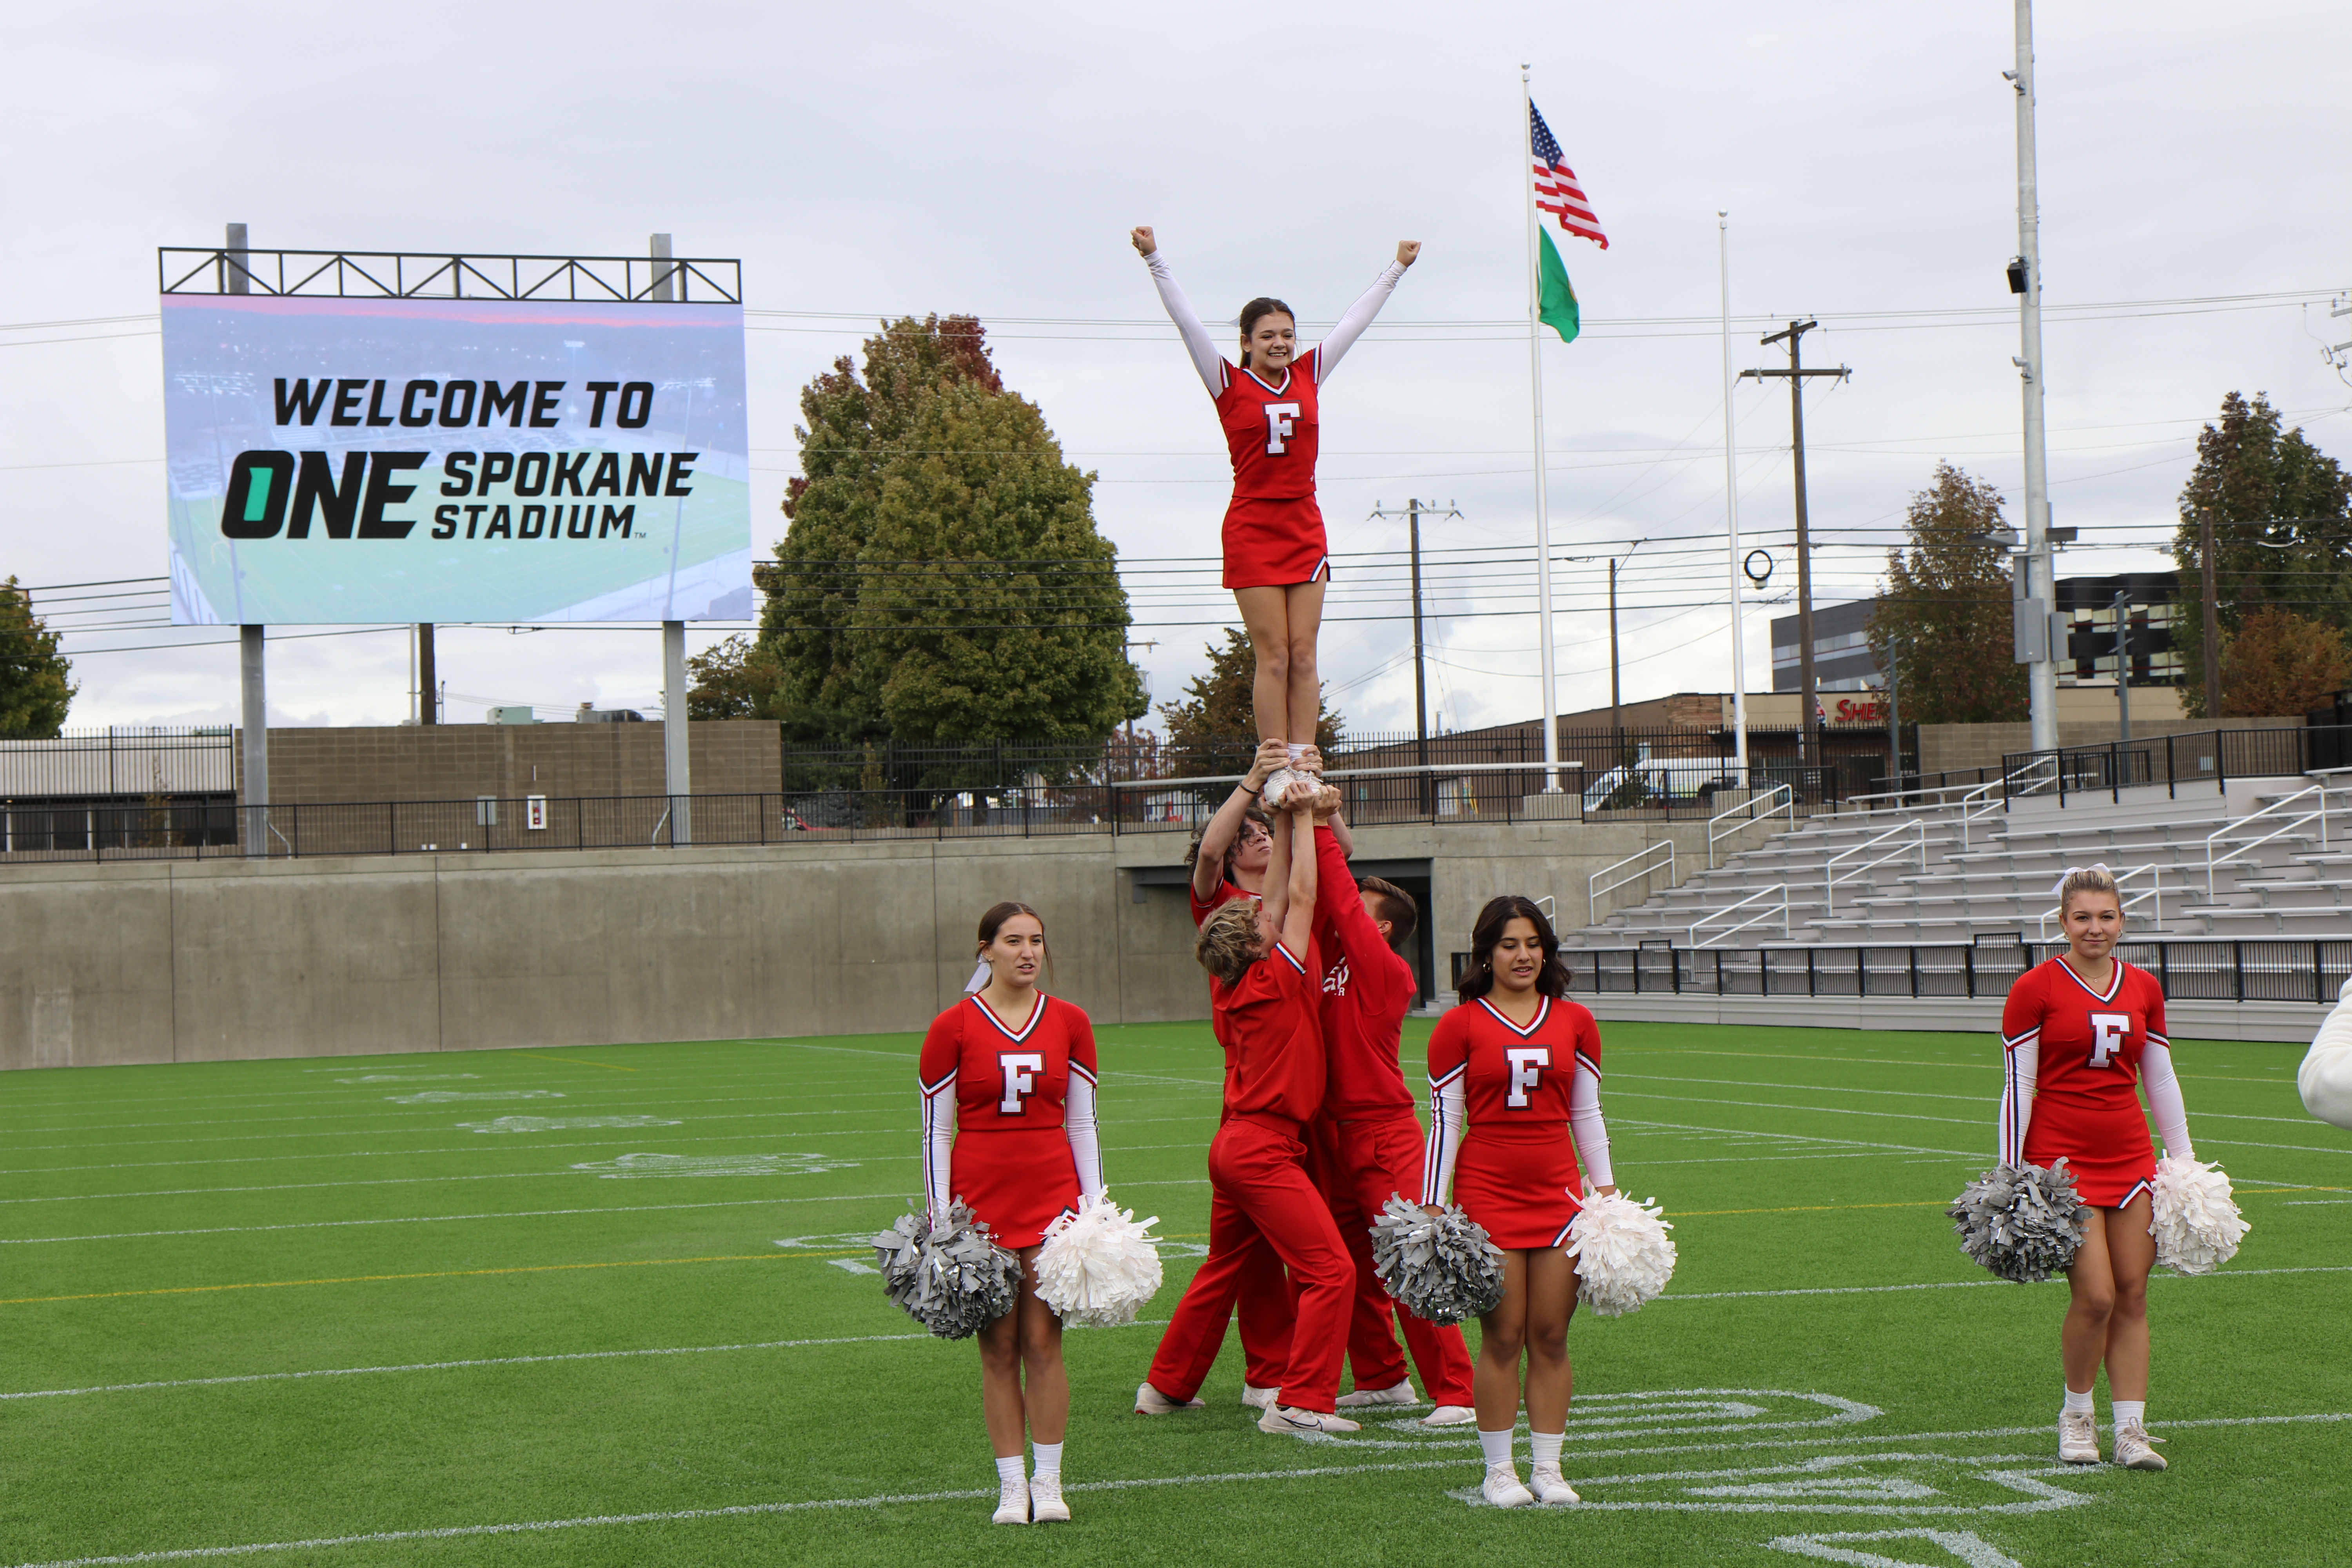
point(2080, 1031)
point(1008, 1082)
point(1370, 1145)
point(1265, 997)
point(1515, 1109)
point(1277, 560)
point(1228, 859)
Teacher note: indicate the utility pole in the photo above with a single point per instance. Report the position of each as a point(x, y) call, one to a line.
point(2025, 279)
point(1808, 696)
point(1413, 510)
point(1616, 717)
point(2212, 625)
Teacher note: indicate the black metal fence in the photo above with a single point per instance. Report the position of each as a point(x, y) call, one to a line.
point(2202, 757)
point(2190, 971)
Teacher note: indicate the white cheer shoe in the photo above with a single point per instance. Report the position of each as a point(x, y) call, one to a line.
point(1012, 1504)
point(2132, 1450)
point(2078, 1437)
point(1046, 1504)
point(1549, 1486)
point(1501, 1487)
point(1150, 1401)
point(1282, 1418)
point(1259, 1398)
point(1450, 1416)
point(1400, 1393)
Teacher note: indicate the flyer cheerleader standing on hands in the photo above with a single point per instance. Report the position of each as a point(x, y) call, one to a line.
point(1277, 560)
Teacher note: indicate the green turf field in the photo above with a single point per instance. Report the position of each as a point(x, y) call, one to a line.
point(610, 1306)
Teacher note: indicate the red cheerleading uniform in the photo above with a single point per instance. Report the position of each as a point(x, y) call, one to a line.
point(1369, 1145)
point(1227, 891)
point(1517, 1172)
point(1019, 1106)
point(2083, 1091)
point(1274, 1082)
point(1273, 529)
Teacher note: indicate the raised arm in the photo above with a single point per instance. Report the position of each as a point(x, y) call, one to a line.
point(1209, 863)
point(1296, 922)
point(1341, 906)
point(1360, 314)
point(1197, 342)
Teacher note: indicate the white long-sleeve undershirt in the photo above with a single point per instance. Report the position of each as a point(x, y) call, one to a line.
point(1210, 363)
point(1448, 1117)
point(2324, 1078)
point(1079, 1126)
point(2023, 1068)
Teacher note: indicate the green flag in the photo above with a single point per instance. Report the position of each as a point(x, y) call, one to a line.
point(1556, 302)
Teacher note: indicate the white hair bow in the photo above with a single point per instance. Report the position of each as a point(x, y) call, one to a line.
point(2058, 888)
point(979, 980)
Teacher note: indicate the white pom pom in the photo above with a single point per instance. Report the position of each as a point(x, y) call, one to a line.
point(1098, 1266)
point(1623, 1256)
point(2195, 1221)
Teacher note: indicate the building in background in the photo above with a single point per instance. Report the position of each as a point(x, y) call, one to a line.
point(1842, 661)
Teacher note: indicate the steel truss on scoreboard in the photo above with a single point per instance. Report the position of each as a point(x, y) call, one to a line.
point(416, 274)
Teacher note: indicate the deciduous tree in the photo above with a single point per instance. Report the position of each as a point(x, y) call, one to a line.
point(2282, 511)
point(1944, 616)
point(2278, 662)
point(35, 684)
point(941, 579)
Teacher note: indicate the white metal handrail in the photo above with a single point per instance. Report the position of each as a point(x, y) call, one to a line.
point(1778, 889)
point(1916, 828)
point(2154, 891)
point(2243, 823)
point(1988, 798)
point(1594, 887)
point(1786, 799)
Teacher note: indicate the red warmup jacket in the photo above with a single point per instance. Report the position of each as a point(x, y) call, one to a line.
point(1273, 1044)
point(1365, 995)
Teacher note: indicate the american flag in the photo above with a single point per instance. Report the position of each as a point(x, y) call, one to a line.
point(1556, 191)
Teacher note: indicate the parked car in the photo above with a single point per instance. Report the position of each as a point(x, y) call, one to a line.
point(1660, 781)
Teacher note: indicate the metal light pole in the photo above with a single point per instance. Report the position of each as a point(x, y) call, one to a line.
point(2042, 674)
point(677, 780)
point(252, 655)
point(2123, 664)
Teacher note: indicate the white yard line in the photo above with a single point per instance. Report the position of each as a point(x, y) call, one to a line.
point(1231, 1478)
point(1906, 1093)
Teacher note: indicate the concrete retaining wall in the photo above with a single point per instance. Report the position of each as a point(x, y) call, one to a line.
point(181, 961)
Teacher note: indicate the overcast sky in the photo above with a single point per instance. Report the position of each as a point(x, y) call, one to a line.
point(989, 160)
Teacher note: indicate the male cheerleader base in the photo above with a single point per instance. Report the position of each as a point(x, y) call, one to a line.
point(1372, 1145)
point(1257, 1168)
point(1261, 1290)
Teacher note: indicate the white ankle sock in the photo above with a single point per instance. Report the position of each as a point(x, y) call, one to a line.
point(2078, 1404)
point(2128, 1411)
point(1545, 1446)
point(1008, 1469)
point(1298, 751)
point(1049, 1460)
point(1497, 1445)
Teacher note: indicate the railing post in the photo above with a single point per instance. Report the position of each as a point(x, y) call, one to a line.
point(2171, 774)
point(2115, 777)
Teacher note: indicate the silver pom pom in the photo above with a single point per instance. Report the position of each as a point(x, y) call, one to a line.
point(951, 1279)
point(1439, 1266)
point(2022, 1222)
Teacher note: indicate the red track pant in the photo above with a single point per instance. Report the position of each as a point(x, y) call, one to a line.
point(1358, 1164)
point(1262, 1197)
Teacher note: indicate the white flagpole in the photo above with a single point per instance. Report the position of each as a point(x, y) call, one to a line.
point(1543, 508)
point(1731, 508)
